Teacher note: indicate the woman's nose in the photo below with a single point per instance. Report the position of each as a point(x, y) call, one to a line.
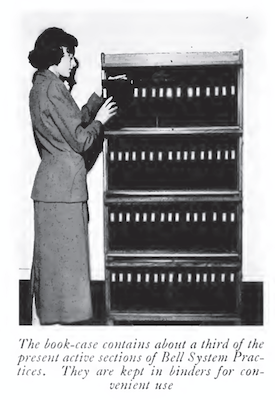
point(73, 63)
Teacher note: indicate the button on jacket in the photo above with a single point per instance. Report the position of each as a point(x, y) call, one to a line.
point(61, 137)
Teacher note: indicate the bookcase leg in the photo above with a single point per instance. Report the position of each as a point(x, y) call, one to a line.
point(110, 321)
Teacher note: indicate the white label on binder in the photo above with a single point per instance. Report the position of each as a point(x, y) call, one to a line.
point(160, 155)
point(112, 217)
point(171, 277)
point(185, 155)
point(137, 217)
point(195, 217)
point(134, 155)
point(207, 91)
point(151, 156)
point(232, 217)
point(162, 276)
point(147, 278)
point(169, 92)
point(192, 155)
point(143, 92)
point(128, 217)
point(198, 91)
point(226, 155)
point(113, 277)
point(153, 217)
point(204, 277)
point(189, 277)
point(135, 92)
point(119, 156)
point(214, 216)
point(190, 92)
point(170, 155)
point(213, 276)
point(170, 216)
point(224, 90)
point(203, 217)
point(178, 92)
point(154, 92)
point(156, 278)
point(218, 154)
point(112, 156)
point(144, 217)
point(188, 217)
point(120, 217)
point(233, 154)
point(177, 217)
point(138, 277)
point(223, 217)
point(129, 277)
point(126, 155)
point(202, 155)
point(179, 277)
point(161, 90)
point(162, 217)
point(178, 155)
point(233, 91)
point(143, 155)
point(223, 277)
point(216, 91)
point(232, 277)
point(120, 277)
point(198, 277)
point(209, 154)
point(104, 93)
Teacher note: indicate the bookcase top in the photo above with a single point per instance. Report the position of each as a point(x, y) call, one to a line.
point(172, 59)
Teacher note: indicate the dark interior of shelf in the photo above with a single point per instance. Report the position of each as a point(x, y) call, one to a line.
point(174, 296)
point(190, 233)
point(173, 109)
point(186, 163)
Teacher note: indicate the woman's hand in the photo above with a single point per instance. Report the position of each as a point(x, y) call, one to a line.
point(106, 111)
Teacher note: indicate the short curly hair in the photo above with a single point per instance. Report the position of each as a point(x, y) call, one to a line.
point(48, 48)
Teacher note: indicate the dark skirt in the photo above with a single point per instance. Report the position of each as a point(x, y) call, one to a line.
point(60, 271)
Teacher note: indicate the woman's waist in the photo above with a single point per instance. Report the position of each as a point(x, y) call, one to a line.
point(56, 154)
point(62, 160)
point(60, 182)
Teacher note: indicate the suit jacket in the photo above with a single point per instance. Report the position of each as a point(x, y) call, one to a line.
point(63, 133)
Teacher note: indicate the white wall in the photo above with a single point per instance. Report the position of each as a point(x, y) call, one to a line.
point(151, 32)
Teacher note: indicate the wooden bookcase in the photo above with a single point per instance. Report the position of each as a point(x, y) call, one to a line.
point(173, 187)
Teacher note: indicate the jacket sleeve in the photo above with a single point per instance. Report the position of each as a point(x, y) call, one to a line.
point(89, 110)
point(68, 119)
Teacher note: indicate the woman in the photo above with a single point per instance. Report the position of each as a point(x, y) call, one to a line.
point(60, 271)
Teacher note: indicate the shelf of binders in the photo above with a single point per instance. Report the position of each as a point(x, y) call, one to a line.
point(174, 96)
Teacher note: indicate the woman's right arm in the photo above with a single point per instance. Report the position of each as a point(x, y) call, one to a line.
point(90, 109)
point(67, 117)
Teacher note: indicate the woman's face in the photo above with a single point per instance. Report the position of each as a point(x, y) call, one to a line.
point(66, 64)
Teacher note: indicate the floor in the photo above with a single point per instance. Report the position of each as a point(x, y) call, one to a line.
point(251, 310)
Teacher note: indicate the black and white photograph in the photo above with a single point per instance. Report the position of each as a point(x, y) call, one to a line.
point(142, 211)
point(171, 130)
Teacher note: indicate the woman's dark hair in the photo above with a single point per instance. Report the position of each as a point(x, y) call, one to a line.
point(47, 49)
